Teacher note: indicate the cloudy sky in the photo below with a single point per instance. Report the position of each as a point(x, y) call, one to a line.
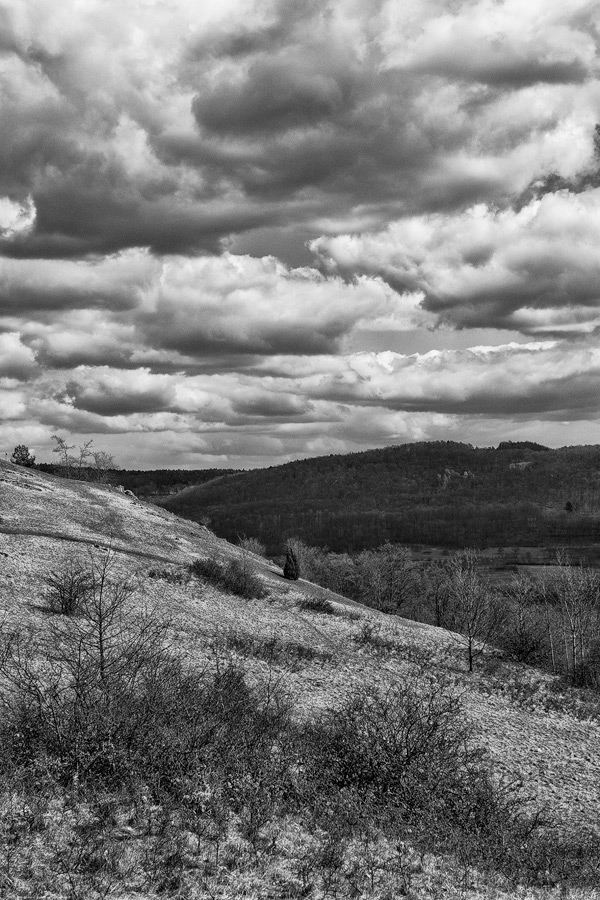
point(238, 232)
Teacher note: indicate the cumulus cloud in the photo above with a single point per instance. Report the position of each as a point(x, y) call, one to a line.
point(536, 270)
point(204, 209)
point(240, 305)
point(508, 44)
point(152, 125)
point(539, 377)
point(16, 218)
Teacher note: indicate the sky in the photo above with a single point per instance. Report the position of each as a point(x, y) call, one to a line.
point(239, 232)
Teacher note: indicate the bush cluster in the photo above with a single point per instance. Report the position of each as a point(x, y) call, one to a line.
point(68, 587)
point(235, 576)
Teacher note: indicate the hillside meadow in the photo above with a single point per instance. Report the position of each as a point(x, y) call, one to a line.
point(226, 746)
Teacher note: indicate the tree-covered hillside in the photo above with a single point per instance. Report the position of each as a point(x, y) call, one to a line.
point(145, 483)
point(441, 493)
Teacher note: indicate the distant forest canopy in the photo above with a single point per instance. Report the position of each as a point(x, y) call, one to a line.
point(153, 482)
point(445, 494)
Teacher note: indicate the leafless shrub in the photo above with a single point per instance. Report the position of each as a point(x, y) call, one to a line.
point(252, 545)
point(68, 587)
point(370, 636)
point(237, 576)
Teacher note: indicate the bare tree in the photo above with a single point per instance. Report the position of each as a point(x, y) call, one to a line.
point(104, 463)
point(252, 545)
point(548, 600)
point(577, 593)
point(388, 577)
point(62, 448)
point(437, 590)
point(524, 626)
point(79, 465)
point(82, 459)
point(474, 614)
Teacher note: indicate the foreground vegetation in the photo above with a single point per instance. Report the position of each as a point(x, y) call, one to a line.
point(126, 768)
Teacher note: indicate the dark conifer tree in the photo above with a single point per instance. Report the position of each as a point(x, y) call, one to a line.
point(291, 568)
point(22, 457)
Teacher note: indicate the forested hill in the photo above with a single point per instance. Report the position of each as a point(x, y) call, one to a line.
point(147, 484)
point(441, 493)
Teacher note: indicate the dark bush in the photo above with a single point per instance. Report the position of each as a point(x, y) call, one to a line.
point(135, 716)
point(236, 576)
point(99, 712)
point(207, 569)
point(405, 758)
point(68, 587)
point(239, 578)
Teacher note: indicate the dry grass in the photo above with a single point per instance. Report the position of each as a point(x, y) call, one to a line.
point(553, 750)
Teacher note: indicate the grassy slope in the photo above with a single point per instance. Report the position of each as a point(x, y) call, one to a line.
point(44, 519)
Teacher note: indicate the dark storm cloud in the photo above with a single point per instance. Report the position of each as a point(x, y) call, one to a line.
point(16, 298)
point(276, 95)
point(74, 220)
point(44, 287)
point(265, 340)
point(302, 113)
point(511, 73)
point(110, 393)
point(281, 406)
point(312, 111)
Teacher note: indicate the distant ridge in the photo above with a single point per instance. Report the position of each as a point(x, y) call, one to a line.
point(441, 493)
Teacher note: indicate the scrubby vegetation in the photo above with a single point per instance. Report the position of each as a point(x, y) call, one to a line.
point(551, 620)
point(128, 771)
point(263, 749)
point(236, 576)
point(68, 587)
point(318, 605)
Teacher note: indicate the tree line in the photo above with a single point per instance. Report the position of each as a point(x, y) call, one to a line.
point(87, 463)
